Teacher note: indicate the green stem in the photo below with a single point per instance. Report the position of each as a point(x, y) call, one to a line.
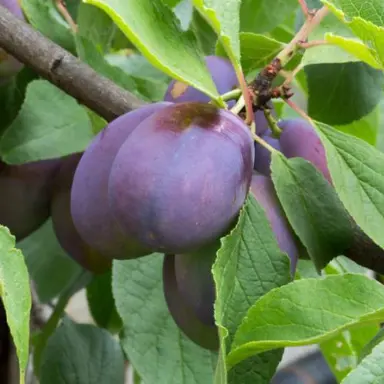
point(262, 142)
point(54, 319)
point(276, 131)
point(238, 106)
point(234, 94)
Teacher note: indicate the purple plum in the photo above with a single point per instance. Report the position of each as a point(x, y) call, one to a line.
point(263, 155)
point(180, 179)
point(89, 196)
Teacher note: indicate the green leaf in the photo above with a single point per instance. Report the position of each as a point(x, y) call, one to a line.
point(248, 265)
point(358, 176)
point(263, 15)
point(44, 16)
point(256, 50)
point(96, 26)
point(101, 302)
point(370, 370)
point(306, 312)
point(366, 22)
point(204, 33)
point(332, 90)
point(224, 19)
point(312, 207)
point(377, 339)
point(49, 124)
point(50, 268)
point(158, 350)
point(184, 12)
point(155, 30)
point(16, 296)
point(82, 354)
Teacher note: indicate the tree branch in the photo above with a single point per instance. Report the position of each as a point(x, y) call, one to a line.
point(63, 69)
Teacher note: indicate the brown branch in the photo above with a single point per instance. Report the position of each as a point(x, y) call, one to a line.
point(63, 69)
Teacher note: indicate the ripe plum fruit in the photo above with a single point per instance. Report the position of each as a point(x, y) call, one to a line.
point(66, 233)
point(299, 139)
point(9, 66)
point(223, 75)
point(89, 196)
point(263, 155)
point(195, 280)
point(25, 195)
point(182, 313)
point(263, 190)
point(180, 179)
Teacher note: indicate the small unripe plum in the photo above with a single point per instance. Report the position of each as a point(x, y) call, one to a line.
point(9, 66)
point(89, 196)
point(195, 280)
point(65, 231)
point(25, 195)
point(183, 314)
point(263, 190)
point(180, 179)
point(263, 155)
point(299, 139)
point(223, 75)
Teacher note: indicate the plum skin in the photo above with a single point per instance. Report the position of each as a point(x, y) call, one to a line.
point(263, 190)
point(299, 139)
point(183, 314)
point(25, 195)
point(10, 66)
point(63, 225)
point(194, 163)
point(223, 76)
point(89, 196)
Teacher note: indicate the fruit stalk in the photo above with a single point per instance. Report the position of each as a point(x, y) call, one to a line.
point(64, 70)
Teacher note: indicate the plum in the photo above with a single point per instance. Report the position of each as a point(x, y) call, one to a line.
point(263, 155)
point(223, 75)
point(195, 280)
point(9, 66)
point(183, 314)
point(25, 195)
point(180, 179)
point(263, 190)
point(89, 197)
point(299, 139)
point(63, 225)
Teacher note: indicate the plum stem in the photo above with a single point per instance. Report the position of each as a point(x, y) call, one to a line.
point(234, 94)
point(249, 117)
point(304, 7)
point(262, 142)
point(298, 110)
point(66, 15)
point(313, 43)
point(238, 106)
point(276, 131)
point(289, 77)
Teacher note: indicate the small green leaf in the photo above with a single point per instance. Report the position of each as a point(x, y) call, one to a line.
point(82, 354)
point(312, 207)
point(16, 296)
point(101, 302)
point(306, 312)
point(248, 265)
point(358, 176)
point(157, 349)
point(370, 370)
point(377, 339)
point(263, 15)
point(50, 124)
point(44, 16)
point(256, 50)
point(44, 257)
point(332, 90)
point(224, 19)
point(156, 32)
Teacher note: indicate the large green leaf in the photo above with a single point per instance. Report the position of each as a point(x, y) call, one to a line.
point(158, 350)
point(50, 268)
point(16, 296)
point(306, 312)
point(370, 370)
point(82, 354)
point(248, 265)
point(156, 32)
point(49, 124)
point(264, 15)
point(312, 207)
point(358, 176)
point(332, 90)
